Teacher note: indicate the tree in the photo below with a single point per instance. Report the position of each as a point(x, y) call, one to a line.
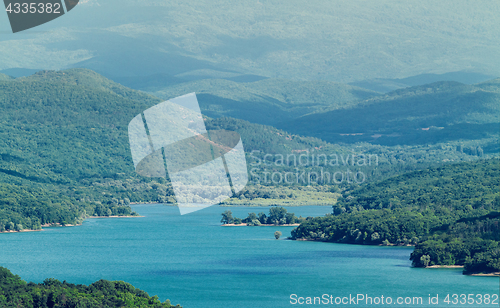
point(262, 218)
point(9, 226)
point(254, 222)
point(425, 260)
point(227, 217)
point(250, 218)
point(290, 218)
point(277, 215)
point(337, 209)
point(277, 234)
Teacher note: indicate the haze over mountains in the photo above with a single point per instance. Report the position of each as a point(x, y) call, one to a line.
point(268, 101)
point(323, 40)
point(388, 85)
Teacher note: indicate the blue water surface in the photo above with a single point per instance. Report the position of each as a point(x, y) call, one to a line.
point(195, 262)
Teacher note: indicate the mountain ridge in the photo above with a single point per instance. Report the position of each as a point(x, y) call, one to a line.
point(440, 111)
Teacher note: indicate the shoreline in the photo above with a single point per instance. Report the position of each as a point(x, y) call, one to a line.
point(381, 245)
point(152, 202)
point(114, 216)
point(494, 274)
point(244, 224)
point(241, 204)
point(57, 225)
point(445, 266)
point(273, 204)
point(24, 230)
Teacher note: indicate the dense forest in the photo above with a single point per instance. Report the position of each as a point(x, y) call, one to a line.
point(31, 208)
point(51, 293)
point(71, 140)
point(451, 214)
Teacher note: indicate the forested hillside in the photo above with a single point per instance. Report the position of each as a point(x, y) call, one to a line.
point(438, 112)
point(5, 77)
point(268, 101)
point(65, 153)
point(65, 132)
point(15, 293)
point(451, 213)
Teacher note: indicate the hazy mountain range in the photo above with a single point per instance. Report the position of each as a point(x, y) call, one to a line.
point(64, 126)
point(436, 112)
point(322, 40)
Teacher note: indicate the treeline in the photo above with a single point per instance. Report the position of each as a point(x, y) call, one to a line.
point(30, 208)
point(457, 187)
point(472, 242)
point(451, 214)
point(16, 293)
point(277, 216)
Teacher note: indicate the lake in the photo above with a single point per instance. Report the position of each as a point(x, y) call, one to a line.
point(195, 262)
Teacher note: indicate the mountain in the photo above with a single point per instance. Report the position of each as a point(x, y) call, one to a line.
point(64, 126)
point(67, 130)
point(55, 118)
point(385, 85)
point(437, 112)
point(64, 148)
point(320, 40)
point(462, 77)
point(268, 101)
point(60, 132)
point(5, 77)
point(490, 85)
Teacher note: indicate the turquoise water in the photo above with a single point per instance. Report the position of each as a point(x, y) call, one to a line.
point(195, 262)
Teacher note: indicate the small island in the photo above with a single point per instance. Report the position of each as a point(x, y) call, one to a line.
point(278, 216)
